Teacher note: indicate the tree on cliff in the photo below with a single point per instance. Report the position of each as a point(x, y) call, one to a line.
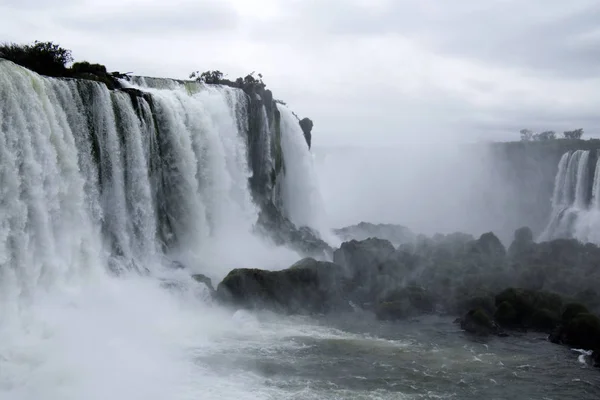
point(526, 135)
point(210, 77)
point(546, 135)
point(575, 134)
point(45, 58)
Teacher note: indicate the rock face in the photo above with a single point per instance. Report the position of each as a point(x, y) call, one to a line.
point(363, 264)
point(578, 328)
point(478, 322)
point(309, 286)
point(306, 124)
point(528, 309)
point(204, 279)
point(396, 234)
point(522, 242)
point(405, 302)
point(281, 230)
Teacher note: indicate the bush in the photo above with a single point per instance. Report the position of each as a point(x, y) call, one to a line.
point(45, 58)
point(85, 67)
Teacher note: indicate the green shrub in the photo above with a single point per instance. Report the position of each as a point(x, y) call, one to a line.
point(45, 58)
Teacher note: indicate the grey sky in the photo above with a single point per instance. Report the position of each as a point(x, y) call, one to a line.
point(366, 71)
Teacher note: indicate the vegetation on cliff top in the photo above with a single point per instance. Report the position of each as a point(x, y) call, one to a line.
point(527, 135)
point(51, 59)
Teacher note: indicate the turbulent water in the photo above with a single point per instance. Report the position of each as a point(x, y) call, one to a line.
point(101, 191)
point(576, 198)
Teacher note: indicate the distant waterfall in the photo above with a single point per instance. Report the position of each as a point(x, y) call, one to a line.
point(576, 199)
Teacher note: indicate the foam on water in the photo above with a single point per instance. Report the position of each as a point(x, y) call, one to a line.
point(95, 185)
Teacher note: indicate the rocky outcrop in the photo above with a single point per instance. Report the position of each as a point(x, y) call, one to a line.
point(205, 280)
point(306, 124)
point(527, 309)
point(578, 328)
point(273, 224)
point(396, 234)
point(477, 321)
point(309, 286)
point(404, 303)
point(364, 264)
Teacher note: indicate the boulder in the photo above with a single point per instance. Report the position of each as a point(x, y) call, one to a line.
point(405, 302)
point(307, 287)
point(363, 263)
point(478, 322)
point(596, 358)
point(489, 245)
point(528, 309)
point(572, 310)
point(522, 242)
point(506, 315)
point(396, 234)
point(358, 256)
point(306, 124)
point(582, 331)
point(464, 300)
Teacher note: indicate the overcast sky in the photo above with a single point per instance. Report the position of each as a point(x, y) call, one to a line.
point(366, 71)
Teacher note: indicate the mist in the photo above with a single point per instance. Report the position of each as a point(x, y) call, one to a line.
point(428, 187)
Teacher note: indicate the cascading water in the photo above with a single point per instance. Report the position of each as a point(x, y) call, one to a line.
point(575, 205)
point(94, 182)
point(301, 197)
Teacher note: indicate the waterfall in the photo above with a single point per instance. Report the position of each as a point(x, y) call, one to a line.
point(100, 191)
point(301, 197)
point(575, 206)
point(596, 186)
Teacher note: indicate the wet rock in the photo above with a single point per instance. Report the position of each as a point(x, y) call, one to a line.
point(506, 315)
point(582, 331)
point(309, 286)
point(204, 279)
point(572, 310)
point(478, 322)
point(528, 309)
point(306, 124)
point(365, 266)
point(404, 303)
point(522, 242)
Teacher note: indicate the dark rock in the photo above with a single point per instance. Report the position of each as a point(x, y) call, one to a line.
point(489, 245)
point(506, 315)
point(204, 279)
point(478, 322)
point(274, 225)
point(582, 331)
point(396, 234)
point(405, 302)
point(528, 309)
point(484, 301)
point(544, 320)
point(364, 264)
point(572, 310)
point(308, 286)
point(306, 124)
point(596, 358)
point(522, 242)
point(361, 256)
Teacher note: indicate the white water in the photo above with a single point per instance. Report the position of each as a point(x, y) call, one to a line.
point(69, 328)
point(575, 210)
point(301, 196)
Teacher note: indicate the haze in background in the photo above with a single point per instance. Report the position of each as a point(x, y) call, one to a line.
point(376, 72)
point(429, 188)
